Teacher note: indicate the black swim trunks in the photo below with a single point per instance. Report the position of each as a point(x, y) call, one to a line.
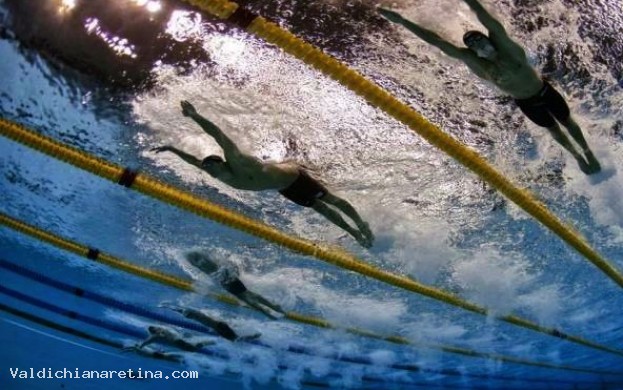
point(543, 107)
point(235, 287)
point(305, 190)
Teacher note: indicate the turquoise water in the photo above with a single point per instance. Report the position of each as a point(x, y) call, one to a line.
point(434, 221)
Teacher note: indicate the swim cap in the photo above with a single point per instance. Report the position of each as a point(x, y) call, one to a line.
point(473, 36)
point(202, 261)
point(212, 159)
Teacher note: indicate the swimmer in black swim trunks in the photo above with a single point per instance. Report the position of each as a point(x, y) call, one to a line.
point(227, 275)
point(246, 172)
point(160, 334)
point(219, 327)
point(500, 60)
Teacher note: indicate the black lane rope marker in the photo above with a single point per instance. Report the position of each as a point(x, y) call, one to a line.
point(141, 335)
point(127, 178)
point(110, 343)
point(242, 17)
point(133, 309)
point(92, 254)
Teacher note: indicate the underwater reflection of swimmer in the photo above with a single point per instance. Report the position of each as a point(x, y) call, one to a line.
point(502, 61)
point(219, 327)
point(159, 334)
point(226, 274)
point(292, 180)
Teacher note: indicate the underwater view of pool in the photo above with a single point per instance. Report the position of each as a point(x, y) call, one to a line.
point(459, 287)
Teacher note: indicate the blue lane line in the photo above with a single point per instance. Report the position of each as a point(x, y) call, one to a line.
point(141, 334)
point(137, 310)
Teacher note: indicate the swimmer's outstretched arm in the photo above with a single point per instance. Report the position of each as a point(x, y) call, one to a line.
point(229, 147)
point(497, 32)
point(185, 345)
point(424, 34)
point(491, 23)
point(181, 154)
point(149, 340)
point(266, 302)
point(250, 298)
point(171, 356)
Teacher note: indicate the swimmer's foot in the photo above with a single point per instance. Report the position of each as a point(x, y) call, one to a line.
point(584, 167)
point(367, 233)
point(363, 240)
point(594, 165)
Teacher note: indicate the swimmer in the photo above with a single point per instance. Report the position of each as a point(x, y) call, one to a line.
point(293, 181)
point(219, 327)
point(499, 59)
point(226, 274)
point(148, 352)
point(167, 336)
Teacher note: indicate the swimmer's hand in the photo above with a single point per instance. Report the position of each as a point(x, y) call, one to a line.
point(188, 109)
point(163, 148)
point(391, 15)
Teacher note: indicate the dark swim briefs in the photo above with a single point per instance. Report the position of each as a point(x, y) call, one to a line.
point(305, 190)
point(543, 107)
point(235, 287)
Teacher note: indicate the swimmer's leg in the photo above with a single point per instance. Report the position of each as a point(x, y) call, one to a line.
point(345, 207)
point(562, 139)
point(260, 299)
point(576, 132)
point(337, 219)
point(249, 300)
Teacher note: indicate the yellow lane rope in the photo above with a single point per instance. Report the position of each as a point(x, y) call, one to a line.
point(187, 201)
point(382, 99)
point(187, 285)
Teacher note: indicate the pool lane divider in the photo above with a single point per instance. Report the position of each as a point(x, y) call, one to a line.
point(187, 285)
point(143, 312)
point(185, 324)
point(132, 332)
point(61, 328)
point(204, 208)
point(72, 331)
point(96, 339)
point(103, 324)
point(382, 99)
